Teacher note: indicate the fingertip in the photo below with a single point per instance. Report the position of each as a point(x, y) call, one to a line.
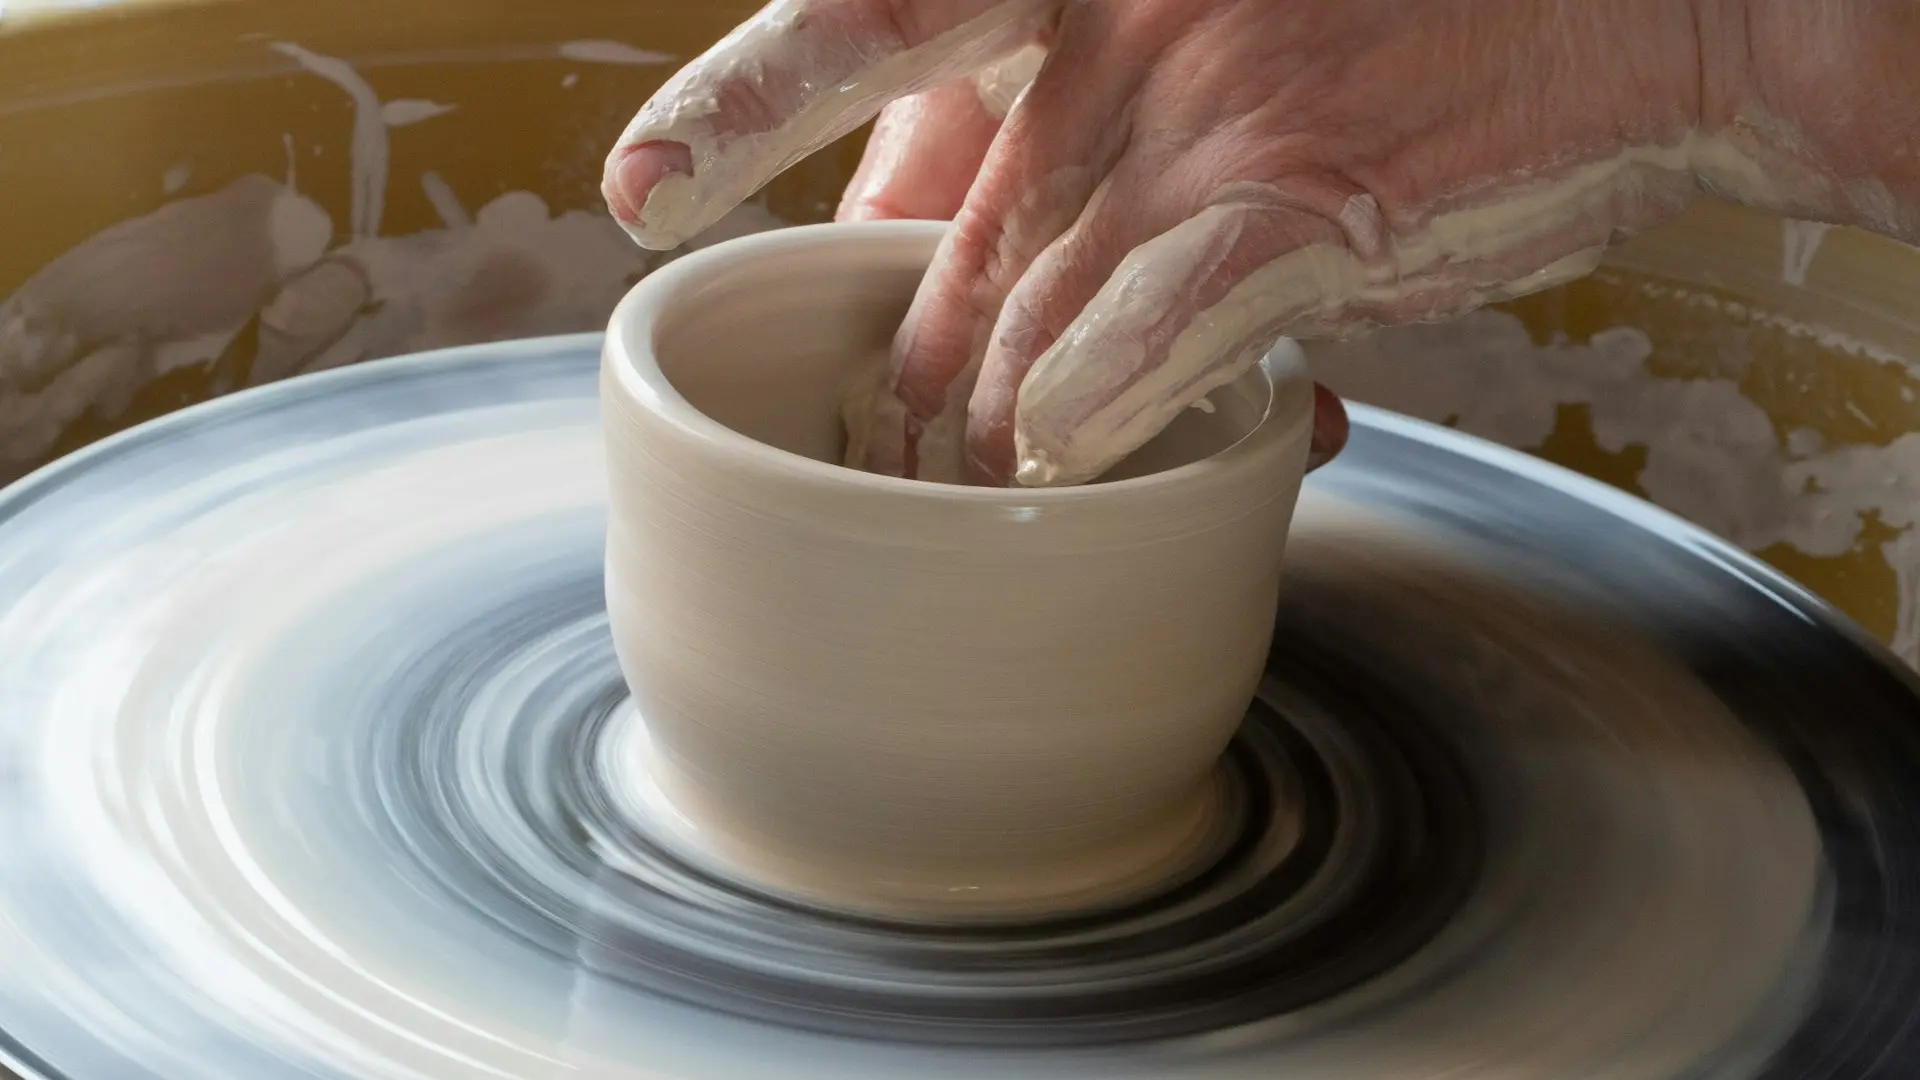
point(1038, 468)
point(637, 170)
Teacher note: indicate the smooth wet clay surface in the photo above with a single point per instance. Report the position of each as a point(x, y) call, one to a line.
point(910, 697)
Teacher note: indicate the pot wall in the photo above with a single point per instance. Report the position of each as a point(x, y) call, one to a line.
point(198, 197)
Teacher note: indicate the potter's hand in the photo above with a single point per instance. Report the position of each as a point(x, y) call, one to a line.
point(1185, 180)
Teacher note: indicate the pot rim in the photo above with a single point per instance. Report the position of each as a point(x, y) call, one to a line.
point(629, 360)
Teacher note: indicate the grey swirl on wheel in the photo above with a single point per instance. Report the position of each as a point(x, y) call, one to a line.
point(318, 763)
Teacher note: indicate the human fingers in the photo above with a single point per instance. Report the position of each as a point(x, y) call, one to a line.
point(1048, 158)
point(1183, 312)
point(926, 149)
point(922, 156)
point(1194, 305)
point(1114, 292)
point(992, 460)
point(793, 78)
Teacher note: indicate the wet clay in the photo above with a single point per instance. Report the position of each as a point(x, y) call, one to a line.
point(920, 698)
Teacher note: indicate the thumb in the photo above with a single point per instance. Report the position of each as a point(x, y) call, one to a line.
point(790, 80)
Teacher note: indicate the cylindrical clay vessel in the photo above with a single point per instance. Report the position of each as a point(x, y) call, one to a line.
point(908, 698)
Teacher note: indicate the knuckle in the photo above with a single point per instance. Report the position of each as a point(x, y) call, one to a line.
point(977, 269)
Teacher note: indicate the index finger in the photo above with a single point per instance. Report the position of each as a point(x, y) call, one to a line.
point(795, 77)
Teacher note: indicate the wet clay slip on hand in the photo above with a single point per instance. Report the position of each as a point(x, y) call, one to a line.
point(906, 698)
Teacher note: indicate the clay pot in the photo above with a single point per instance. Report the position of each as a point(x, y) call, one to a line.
point(906, 697)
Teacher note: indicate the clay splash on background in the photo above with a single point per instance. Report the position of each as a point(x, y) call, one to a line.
point(1695, 444)
point(257, 267)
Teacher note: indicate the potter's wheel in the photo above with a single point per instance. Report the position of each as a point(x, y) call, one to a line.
point(308, 706)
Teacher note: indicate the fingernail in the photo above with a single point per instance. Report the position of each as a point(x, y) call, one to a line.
point(642, 166)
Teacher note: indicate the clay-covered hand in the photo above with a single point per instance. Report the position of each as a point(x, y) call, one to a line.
point(1184, 181)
